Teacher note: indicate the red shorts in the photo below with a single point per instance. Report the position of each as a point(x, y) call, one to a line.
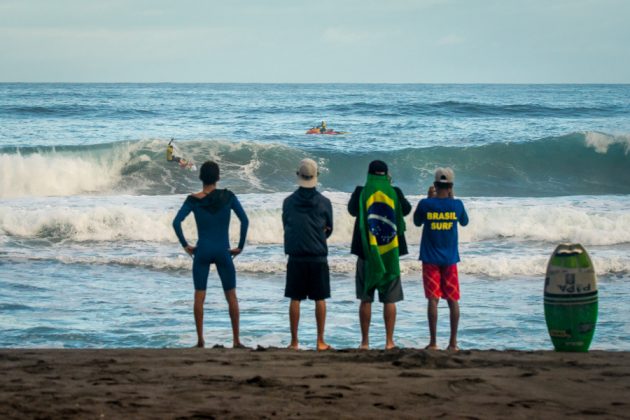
point(440, 281)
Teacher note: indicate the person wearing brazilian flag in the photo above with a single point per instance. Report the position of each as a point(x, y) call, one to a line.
point(378, 240)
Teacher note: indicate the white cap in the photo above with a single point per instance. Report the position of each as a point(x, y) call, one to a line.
point(307, 173)
point(444, 175)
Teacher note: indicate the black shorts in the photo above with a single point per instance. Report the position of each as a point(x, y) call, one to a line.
point(393, 294)
point(307, 278)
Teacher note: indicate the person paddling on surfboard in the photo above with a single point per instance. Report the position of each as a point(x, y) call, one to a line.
point(323, 129)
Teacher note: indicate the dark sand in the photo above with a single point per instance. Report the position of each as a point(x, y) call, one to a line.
point(268, 383)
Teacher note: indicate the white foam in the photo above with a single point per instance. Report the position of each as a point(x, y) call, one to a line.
point(587, 220)
point(593, 221)
point(601, 141)
point(60, 173)
point(500, 267)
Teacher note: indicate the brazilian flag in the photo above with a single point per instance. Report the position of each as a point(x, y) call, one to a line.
point(381, 221)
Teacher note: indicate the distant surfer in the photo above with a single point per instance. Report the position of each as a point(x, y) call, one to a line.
point(170, 157)
point(170, 149)
point(322, 127)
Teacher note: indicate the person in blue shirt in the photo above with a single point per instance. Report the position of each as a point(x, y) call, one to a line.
point(440, 214)
point(212, 208)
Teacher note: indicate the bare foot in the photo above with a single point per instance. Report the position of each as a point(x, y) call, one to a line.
point(200, 345)
point(391, 346)
point(432, 347)
point(239, 345)
point(452, 349)
point(364, 347)
point(323, 347)
point(293, 347)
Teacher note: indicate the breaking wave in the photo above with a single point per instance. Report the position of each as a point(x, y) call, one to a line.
point(588, 163)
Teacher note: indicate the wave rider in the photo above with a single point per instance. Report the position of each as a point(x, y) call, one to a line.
point(170, 157)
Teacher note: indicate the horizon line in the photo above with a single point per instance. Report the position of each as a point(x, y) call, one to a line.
point(317, 83)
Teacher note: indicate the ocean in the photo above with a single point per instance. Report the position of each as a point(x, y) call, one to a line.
point(88, 257)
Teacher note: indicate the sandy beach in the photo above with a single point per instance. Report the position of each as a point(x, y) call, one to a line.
point(267, 383)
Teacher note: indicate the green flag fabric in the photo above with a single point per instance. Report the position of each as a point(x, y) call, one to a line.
point(381, 221)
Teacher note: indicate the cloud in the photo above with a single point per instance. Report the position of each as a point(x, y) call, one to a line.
point(451, 39)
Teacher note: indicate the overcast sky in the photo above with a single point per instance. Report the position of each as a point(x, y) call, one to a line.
point(350, 41)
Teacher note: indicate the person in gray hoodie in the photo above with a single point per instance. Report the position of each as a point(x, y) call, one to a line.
point(308, 221)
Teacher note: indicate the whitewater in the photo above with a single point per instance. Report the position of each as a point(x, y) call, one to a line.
point(88, 257)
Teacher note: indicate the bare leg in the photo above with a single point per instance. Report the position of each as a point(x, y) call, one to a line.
point(230, 296)
point(294, 320)
point(453, 306)
point(200, 297)
point(365, 317)
point(389, 314)
point(320, 317)
point(432, 315)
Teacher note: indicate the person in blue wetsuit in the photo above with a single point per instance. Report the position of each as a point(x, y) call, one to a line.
point(212, 208)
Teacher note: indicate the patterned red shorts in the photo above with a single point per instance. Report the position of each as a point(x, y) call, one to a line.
point(440, 281)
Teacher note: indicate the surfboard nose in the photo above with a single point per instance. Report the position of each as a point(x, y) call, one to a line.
point(569, 249)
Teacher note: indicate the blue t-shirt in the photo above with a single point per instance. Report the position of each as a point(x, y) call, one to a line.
point(440, 217)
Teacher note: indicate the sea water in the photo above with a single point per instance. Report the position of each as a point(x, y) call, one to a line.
point(88, 257)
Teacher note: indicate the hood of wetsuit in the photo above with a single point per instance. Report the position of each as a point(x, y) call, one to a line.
point(214, 201)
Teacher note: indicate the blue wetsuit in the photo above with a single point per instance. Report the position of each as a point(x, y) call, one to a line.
point(212, 215)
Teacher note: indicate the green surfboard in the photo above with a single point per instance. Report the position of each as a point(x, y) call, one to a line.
point(571, 300)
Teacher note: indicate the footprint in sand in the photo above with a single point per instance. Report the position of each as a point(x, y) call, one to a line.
point(262, 382)
point(316, 376)
point(385, 406)
point(344, 387)
point(467, 384)
point(414, 375)
point(330, 396)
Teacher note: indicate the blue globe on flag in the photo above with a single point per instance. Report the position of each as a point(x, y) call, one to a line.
point(381, 220)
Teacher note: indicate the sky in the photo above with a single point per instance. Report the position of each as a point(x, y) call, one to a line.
point(315, 41)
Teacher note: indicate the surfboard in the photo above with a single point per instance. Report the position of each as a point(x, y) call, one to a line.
point(571, 301)
point(186, 164)
point(316, 130)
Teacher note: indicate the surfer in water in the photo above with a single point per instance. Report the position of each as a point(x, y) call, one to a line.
point(170, 156)
point(322, 127)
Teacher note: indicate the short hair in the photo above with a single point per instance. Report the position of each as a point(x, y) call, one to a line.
point(209, 173)
point(443, 185)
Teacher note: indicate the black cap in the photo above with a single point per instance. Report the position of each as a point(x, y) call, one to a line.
point(377, 167)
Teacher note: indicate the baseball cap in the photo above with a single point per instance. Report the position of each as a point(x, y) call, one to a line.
point(444, 176)
point(307, 173)
point(377, 166)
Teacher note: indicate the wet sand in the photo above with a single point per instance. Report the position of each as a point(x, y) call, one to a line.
point(278, 383)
